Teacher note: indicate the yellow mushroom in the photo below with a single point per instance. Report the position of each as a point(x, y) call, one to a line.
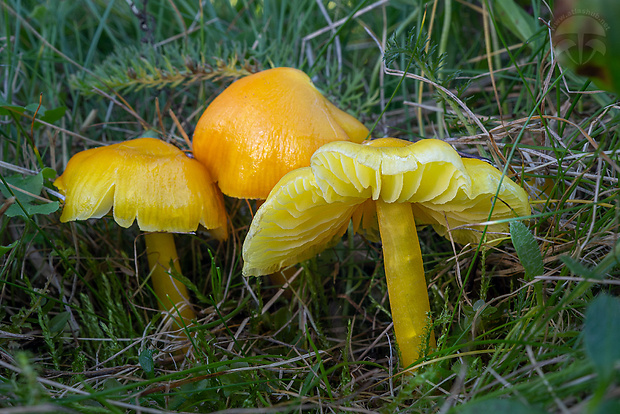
point(158, 186)
point(387, 186)
point(265, 125)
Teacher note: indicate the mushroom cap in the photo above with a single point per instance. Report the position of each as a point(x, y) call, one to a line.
point(310, 208)
point(145, 179)
point(295, 223)
point(265, 125)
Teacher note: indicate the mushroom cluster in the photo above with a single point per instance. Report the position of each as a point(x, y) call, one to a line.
point(273, 135)
point(254, 132)
point(387, 187)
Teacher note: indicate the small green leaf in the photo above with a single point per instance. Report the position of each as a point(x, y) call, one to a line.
point(43, 114)
point(6, 249)
point(146, 362)
point(7, 109)
point(53, 115)
point(47, 115)
point(601, 333)
point(496, 406)
point(527, 250)
point(44, 209)
point(486, 310)
point(48, 173)
point(26, 187)
point(33, 108)
point(39, 12)
point(58, 322)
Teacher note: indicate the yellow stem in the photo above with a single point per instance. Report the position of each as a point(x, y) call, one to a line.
point(171, 293)
point(404, 272)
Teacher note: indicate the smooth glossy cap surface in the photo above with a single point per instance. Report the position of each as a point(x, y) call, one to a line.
point(311, 207)
point(265, 125)
point(145, 179)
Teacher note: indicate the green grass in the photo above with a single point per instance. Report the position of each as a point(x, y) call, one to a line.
point(79, 326)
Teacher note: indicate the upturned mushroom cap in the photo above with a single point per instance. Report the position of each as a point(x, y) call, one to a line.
point(265, 125)
point(145, 179)
point(310, 208)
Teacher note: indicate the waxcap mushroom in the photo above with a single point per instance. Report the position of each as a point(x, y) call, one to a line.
point(400, 184)
point(300, 206)
point(265, 125)
point(146, 180)
point(155, 184)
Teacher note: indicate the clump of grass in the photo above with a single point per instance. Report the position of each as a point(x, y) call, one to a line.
point(79, 327)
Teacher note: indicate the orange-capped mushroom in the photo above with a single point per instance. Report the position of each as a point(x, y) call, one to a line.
point(265, 125)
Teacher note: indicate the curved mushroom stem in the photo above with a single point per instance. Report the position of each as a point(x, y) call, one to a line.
point(404, 272)
point(172, 294)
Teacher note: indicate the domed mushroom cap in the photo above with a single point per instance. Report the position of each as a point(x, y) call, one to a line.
point(145, 179)
point(265, 125)
point(311, 207)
